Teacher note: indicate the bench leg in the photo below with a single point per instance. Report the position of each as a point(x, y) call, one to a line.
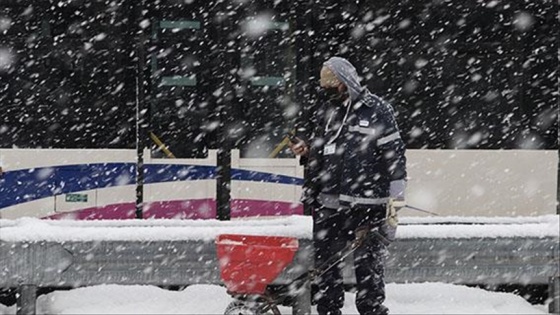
point(26, 300)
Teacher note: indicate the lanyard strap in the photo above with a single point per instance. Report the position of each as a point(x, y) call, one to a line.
point(327, 129)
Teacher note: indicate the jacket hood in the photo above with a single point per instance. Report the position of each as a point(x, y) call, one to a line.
point(347, 74)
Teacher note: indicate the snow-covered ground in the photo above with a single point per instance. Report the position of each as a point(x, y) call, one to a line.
point(417, 298)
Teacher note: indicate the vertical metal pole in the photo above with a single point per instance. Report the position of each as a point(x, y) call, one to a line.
point(223, 181)
point(223, 172)
point(140, 106)
point(139, 159)
point(26, 300)
point(224, 111)
point(308, 73)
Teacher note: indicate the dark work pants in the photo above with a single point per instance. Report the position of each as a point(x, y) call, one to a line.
point(332, 230)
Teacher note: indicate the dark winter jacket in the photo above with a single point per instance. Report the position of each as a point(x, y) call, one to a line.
point(357, 155)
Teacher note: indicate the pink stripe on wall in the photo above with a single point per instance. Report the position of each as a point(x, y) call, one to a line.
point(254, 208)
point(183, 209)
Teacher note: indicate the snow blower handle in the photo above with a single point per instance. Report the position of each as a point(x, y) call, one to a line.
point(361, 235)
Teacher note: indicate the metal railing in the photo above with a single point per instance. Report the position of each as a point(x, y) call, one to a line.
point(32, 265)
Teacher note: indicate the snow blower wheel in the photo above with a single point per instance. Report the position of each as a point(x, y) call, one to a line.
point(251, 308)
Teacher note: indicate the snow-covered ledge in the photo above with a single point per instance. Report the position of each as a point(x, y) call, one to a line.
point(31, 229)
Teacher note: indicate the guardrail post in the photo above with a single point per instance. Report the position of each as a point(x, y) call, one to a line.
point(302, 301)
point(554, 294)
point(303, 261)
point(26, 300)
point(558, 176)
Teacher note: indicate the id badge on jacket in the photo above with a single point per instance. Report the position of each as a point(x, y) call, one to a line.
point(329, 149)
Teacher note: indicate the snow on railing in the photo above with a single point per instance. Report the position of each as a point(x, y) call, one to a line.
point(30, 229)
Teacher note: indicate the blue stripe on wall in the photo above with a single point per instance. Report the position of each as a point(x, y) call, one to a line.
point(253, 176)
point(31, 184)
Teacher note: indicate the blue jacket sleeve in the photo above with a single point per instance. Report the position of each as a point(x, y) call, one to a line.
point(392, 150)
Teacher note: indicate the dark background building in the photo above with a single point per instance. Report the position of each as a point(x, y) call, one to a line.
point(460, 74)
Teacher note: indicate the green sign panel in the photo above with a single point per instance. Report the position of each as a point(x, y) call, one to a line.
point(76, 197)
point(180, 24)
point(178, 81)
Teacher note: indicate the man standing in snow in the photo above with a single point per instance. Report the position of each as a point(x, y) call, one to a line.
point(355, 183)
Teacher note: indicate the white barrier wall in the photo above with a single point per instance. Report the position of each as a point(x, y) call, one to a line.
point(483, 182)
point(181, 190)
point(17, 159)
point(266, 191)
point(449, 182)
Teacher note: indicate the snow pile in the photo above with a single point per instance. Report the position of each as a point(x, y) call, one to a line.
point(115, 299)
point(416, 298)
point(441, 298)
point(30, 229)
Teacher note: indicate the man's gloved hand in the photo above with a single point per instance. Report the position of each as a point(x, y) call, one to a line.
point(393, 206)
point(389, 228)
point(396, 201)
point(298, 146)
